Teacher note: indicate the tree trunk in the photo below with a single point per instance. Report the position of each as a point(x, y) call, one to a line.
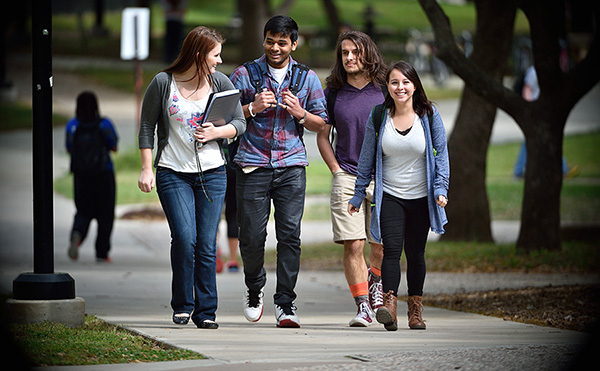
point(254, 17)
point(540, 216)
point(332, 16)
point(543, 123)
point(468, 211)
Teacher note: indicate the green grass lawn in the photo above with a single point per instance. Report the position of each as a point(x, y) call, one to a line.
point(580, 196)
point(96, 343)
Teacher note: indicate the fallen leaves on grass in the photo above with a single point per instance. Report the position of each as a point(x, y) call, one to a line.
point(566, 307)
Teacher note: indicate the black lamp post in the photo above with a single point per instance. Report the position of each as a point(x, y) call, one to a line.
point(43, 283)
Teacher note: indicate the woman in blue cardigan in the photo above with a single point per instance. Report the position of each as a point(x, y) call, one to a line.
point(409, 156)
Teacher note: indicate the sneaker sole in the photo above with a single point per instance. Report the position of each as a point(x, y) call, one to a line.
point(288, 323)
point(358, 323)
point(250, 319)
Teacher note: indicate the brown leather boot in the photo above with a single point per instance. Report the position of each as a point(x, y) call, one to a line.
point(386, 314)
point(415, 308)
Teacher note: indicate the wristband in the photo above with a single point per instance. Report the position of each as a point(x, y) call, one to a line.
point(250, 110)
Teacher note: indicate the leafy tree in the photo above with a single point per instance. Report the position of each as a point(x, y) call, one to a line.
point(541, 121)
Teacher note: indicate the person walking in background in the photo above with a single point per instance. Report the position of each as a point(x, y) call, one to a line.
point(89, 140)
point(190, 169)
point(231, 220)
point(271, 161)
point(174, 11)
point(353, 88)
point(405, 143)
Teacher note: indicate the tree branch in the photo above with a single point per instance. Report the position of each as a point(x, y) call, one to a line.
point(472, 75)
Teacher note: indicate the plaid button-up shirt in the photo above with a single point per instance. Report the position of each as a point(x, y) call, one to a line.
point(273, 138)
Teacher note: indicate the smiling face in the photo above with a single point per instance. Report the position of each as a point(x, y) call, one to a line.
point(278, 48)
point(401, 89)
point(213, 58)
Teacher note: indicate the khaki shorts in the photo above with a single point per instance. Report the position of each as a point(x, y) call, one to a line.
point(346, 226)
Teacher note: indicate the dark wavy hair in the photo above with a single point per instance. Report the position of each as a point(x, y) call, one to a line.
point(369, 56)
point(421, 104)
point(196, 46)
point(87, 107)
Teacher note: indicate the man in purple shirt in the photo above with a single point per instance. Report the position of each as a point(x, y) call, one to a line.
point(354, 87)
point(271, 161)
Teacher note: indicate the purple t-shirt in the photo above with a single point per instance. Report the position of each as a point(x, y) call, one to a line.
point(352, 109)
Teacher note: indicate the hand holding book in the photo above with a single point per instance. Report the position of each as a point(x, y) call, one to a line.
point(220, 109)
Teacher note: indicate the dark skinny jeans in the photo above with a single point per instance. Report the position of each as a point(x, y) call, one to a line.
point(404, 225)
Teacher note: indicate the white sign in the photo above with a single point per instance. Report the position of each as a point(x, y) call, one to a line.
point(135, 33)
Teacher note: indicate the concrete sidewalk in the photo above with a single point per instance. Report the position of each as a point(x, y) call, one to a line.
point(134, 291)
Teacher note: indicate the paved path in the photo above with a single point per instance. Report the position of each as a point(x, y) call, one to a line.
point(134, 291)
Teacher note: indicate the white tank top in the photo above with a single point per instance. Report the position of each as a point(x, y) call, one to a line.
point(404, 161)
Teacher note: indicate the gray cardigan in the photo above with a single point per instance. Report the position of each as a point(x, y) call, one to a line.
point(155, 111)
point(438, 171)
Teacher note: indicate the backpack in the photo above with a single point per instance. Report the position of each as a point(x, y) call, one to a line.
point(89, 153)
point(299, 76)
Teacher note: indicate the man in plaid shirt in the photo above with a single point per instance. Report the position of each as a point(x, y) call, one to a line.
point(271, 161)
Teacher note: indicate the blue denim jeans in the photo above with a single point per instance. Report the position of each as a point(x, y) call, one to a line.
point(285, 187)
point(193, 221)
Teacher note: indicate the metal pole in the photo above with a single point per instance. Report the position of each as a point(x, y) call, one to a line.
point(43, 197)
point(43, 283)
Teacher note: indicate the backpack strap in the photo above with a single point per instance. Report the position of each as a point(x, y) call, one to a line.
point(299, 75)
point(298, 78)
point(377, 115)
point(255, 74)
point(430, 117)
point(331, 97)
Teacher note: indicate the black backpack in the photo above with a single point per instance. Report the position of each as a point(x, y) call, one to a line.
point(299, 75)
point(89, 153)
